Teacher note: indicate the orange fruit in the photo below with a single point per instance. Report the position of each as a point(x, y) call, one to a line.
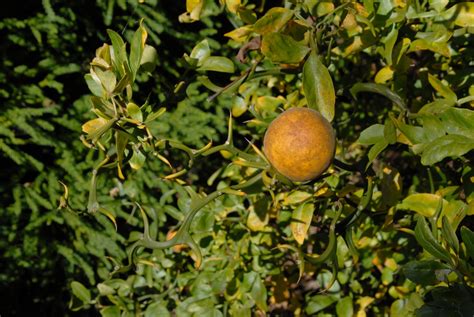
point(300, 144)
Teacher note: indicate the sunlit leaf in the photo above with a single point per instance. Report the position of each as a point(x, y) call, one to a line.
point(273, 20)
point(423, 203)
point(451, 145)
point(301, 220)
point(441, 88)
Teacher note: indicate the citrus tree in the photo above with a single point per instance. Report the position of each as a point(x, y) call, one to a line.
point(344, 185)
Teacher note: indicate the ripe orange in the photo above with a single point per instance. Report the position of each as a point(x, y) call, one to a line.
point(300, 144)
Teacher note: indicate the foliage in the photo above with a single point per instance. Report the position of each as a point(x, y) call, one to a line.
point(387, 230)
point(44, 52)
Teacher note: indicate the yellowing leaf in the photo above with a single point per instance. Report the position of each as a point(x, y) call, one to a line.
point(301, 220)
point(384, 75)
point(92, 126)
point(441, 88)
point(258, 215)
point(193, 11)
point(273, 20)
point(281, 48)
point(296, 197)
point(268, 103)
point(232, 5)
point(424, 204)
point(318, 87)
point(462, 14)
point(324, 8)
point(240, 34)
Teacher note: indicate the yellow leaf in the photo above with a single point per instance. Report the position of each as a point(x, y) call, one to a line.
point(384, 75)
point(424, 204)
point(93, 125)
point(462, 14)
point(300, 221)
point(324, 8)
point(232, 5)
point(240, 34)
point(255, 223)
point(441, 88)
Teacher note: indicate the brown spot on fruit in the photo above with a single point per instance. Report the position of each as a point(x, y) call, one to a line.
point(300, 144)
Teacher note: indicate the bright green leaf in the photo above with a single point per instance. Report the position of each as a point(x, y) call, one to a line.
point(371, 135)
point(217, 64)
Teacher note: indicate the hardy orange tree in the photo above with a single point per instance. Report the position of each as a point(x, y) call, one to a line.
point(344, 185)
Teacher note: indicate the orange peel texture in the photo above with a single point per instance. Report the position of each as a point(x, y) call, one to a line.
point(300, 144)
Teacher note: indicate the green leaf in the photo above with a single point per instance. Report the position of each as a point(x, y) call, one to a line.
point(157, 309)
point(407, 306)
point(462, 14)
point(273, 20)
point(301, 220)
point(451, 145)
point(379, 89)
point(94, 85)
point(376, 149)
point(149, 58)
point(253, 283)
point(414, 134)
point(134, 112)
point(318, 87)
point(281, 48)
point(458, 121)
point(390, 132)
point(436, 107)
point(107, 79)
point(423, 272)
point(344, 307)
point(468, 239)
point(423, 44)
point(389, 42)
point(136, 49)
point(81, 292)
point(320, 302)
point(137, 160)
point(442, 89)
point(105, 289)
point(438, 5)
point(433, 127)
point(201, 51)
point(372, 135)
point(296, 197)
point(154, 115)
point(449, 234)
point(110, 311)
point(119, 56)
point(425, 204)
point(425, 238)
point(217, 64)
